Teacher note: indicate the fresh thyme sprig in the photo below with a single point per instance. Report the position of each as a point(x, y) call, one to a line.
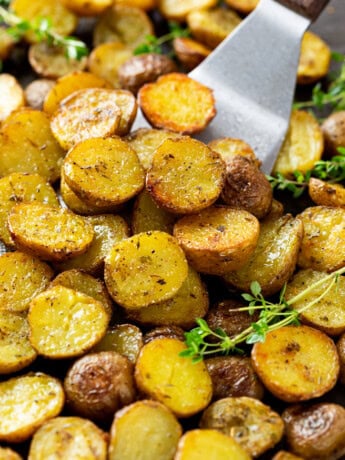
point(154, 44)
point(42, 28)
point(272, 316)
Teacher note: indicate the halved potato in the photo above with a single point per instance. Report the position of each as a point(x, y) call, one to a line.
point(178, 10)
point(12, 95)
point(296, 363)
point(325, 193)
point(243, 6)
point(229, 148)
point(190, 52)
point(36, 92)
point(314, 61)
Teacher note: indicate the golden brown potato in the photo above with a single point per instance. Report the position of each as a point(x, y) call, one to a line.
point(243, 6)
point(186, 176)
point(99, 384)
point(317, 431)
point(29, 131)
point(246, 187)
point(14, 268)
point(36, 92)
point(341, 354)
point(122, 23)
point(212, 26)
point(228, 148)
point(65, 323)
point(7, 43)
point(178, 103)
point(276, 211)
point(128, 439)
point(103, 172)
point(233, 376)
point(296, 363)
point(183, 386)
point(255, 426)
point(314, 61)
point(136, 272)
point(190, 52)
point(66, 438)
point(322, 245)
point(49, 232)
point(218, 239)
point(160, 332)
point(36, 397)
point(89, 8)
point(196, 444)
point(144, 68)
point(51, 61)
point(303, 145)
point(12, 95)
point(274, 259)
point(333, 129)
point(177, 10)
point(325, 193)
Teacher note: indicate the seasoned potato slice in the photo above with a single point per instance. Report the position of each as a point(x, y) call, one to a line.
point(7, 43)
point(325, 193)
point(106, 59)
point(125, 339)
point(85, 283)
point(322, 245)
point(190, 302)
point(314, 59)
point(65, 323)
point(190, 52)
point(36, 92)
point(122, 23)
point(26, 402)
point(29, 131)
point(255, 426)
point(183, 386)
point(67, 438)
point(144, 68)
point(20, 187)
point(243, 6)
point(137, 273)
point(212, 26)
point(317, 431)
point(195, 445)
point(12, 95)
point(145, 141)
point(159, 423)
point(186, 176)
point(104, 172)
point(177, 10)
point(333, 129)
point(178, 103)
point(303, 144)
point(89, 8)
point(51, 61)
point(147, 215)
point(296, 363)
point(16, 352)
point(327, 314)
point(274, 259)
point(68, 84)
point(15, 295)
point(98, 384)
point(109, 229)
point(50, 232)
point(8, 454)
point(228, 148)
point(218, 239)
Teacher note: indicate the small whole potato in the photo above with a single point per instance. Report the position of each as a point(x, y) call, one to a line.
point(333, 129)
point(98, 384)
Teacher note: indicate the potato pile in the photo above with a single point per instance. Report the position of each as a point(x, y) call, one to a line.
point(117, 241)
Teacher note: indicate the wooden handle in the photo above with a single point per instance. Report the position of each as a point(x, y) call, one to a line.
point(309, 8)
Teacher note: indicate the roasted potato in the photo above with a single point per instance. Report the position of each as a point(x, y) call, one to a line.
point(333, 129)
point(296, 363)
point(161, 332)
point(341, 353)
point(325, 193)
point(190, 52)
point(316, 431)
point(89, 8)
point(255, 426)
point(36, 92)
point(178, 11)
point(142, 4)
point(12, 95)
point(243, 6)
point(314, 61)
point(229, 148)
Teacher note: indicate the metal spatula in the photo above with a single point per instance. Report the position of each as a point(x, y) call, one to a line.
point(253, 76)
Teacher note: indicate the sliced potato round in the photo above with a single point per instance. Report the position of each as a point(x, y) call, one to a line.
point(104, 172)
point(228, 148)
point(243, 6)
point(173, 10)
point(218, 239)
point(48, 231)
point(186, 176)
point(190, 52)
point(303, 145)
point(325, 193)
point(15, 295)
point(314, 61)
point(148, 420)
point(89, 8)
point(183, 386)
point(296, 363)
point(67, 438)
point(36, 92)
point(26, 402)
point(65, 323)
point(12, 95)
point(137, 273)
point(178, 103)
point(195, 445)
point(322, 245)
point(255, 426)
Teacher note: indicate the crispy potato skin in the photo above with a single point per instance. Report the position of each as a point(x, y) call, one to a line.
point(333, 129)
point(316, 431)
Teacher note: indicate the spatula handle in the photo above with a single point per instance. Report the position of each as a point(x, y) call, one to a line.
point(309, 8)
